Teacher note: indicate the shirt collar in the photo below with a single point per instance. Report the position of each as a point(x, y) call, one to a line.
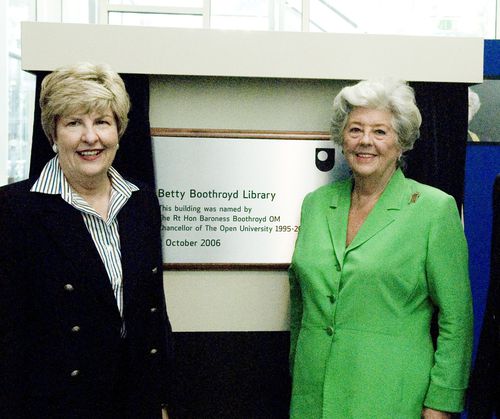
point(52, 181)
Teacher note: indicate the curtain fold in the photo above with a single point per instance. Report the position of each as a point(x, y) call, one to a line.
point(438, 158)
point(41, 152)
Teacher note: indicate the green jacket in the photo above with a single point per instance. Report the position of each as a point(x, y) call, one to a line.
point(360, 316)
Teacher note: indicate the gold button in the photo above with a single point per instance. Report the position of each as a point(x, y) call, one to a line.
point(153, 351)
point(153, 309)
point(75, 373)
point(75, 329)
point(69, 287)
point(155, 270)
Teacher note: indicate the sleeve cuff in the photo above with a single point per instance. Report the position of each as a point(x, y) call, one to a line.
point(445, 399)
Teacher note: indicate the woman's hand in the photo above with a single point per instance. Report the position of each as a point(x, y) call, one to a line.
point(164, 413)
point(428, 413)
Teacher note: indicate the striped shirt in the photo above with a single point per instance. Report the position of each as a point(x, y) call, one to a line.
point(105, 233)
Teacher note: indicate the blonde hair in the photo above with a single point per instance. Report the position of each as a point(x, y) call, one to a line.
point(86, 88)
point(391, 95)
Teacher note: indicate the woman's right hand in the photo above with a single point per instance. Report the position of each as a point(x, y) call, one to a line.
point(428, 413)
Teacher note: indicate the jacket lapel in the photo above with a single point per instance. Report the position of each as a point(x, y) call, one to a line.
point(337, 218)
point(71, 239)
point(385, 211)
point(132, 247)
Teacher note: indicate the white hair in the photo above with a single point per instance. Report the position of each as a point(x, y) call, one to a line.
point(474, 104)
point(392, 95)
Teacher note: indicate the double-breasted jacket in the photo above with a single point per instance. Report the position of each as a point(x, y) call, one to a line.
point(61, 339)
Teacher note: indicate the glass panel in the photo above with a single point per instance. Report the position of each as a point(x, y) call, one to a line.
point(484, 102)
point(240, 22)
point(164, 3)
point(291, 15)
point(48, 11)
point(406, 17)
point(291, 21)
point(334, 16)
point(21, 102)
point(241, 14)
point(78, 12)
point(21, 94)
point(240, 7)
point(156, 19)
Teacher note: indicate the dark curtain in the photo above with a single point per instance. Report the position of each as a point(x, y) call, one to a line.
point(484, 397)
point(41, 152)
point(438, 158)
point(134, 158)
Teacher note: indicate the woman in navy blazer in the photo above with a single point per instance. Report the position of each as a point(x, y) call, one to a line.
point(84, 331)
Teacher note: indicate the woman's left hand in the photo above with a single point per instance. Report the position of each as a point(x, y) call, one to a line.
point(428, 413)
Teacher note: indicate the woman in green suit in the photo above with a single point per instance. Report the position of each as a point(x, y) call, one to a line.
point(376, 255)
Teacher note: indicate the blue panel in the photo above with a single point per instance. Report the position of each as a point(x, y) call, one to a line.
point(481, 167)
point(491, 58)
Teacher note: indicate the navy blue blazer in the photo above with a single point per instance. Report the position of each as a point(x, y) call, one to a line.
point(61, 353)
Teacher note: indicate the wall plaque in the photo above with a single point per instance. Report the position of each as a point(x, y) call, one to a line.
point(231, 199)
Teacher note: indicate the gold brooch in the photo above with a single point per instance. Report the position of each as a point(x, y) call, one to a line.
point(414, 197)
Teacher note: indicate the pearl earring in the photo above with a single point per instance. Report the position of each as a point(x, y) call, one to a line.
point(54, 148)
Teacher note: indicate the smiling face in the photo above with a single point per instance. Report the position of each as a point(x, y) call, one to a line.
point(370, 144)
point(87, 145)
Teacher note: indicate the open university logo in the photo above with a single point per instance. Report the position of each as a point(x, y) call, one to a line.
point(325, 159)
